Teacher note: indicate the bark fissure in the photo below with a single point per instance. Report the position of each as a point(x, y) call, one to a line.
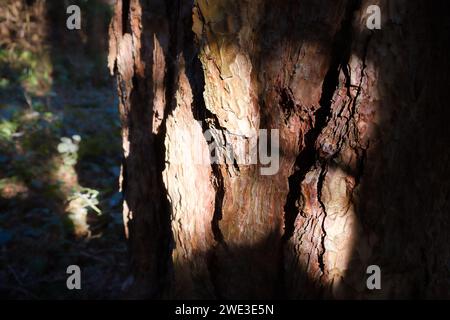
point(307, 158)
point(148, 221)
point(362, 74)
point(220, 193)
point(125, 15)
point(320, 182)
point(340, 96)
point(208, 120)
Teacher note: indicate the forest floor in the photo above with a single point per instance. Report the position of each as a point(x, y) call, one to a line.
point(60, 154)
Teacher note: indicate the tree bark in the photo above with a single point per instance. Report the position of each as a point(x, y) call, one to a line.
point(363, 147)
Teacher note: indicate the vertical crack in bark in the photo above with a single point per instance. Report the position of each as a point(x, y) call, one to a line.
point(361, 151)
point(208, 120)
point(287, 103)
point(171, 78)
point(307, 158)
point(362, 74)
point(220, 193)
point(146, 157)
point(217, 233)
point(125, 14)
point(353, 100)
point(320, 181)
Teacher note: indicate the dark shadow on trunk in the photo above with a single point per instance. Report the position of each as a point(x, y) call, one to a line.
point(401, 176)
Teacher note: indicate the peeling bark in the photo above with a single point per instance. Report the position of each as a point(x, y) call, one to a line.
point(347, 102)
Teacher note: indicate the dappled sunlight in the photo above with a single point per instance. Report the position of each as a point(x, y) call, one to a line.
point(59, 154)
point(156, 184)
point(24, 54)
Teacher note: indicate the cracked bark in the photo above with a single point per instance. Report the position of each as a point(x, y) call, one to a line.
point(338, 93)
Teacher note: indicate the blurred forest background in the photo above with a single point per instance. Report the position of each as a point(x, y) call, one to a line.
point(59, 153)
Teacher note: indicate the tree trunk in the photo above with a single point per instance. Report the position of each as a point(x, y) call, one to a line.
point(363, 160)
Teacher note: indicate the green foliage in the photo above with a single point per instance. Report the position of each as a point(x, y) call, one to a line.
point(4, 83)
point(22, 67)
point(7, 129)
point(27, 142)
point(87, 198)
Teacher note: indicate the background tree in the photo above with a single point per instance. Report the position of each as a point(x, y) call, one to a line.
point(363, 147)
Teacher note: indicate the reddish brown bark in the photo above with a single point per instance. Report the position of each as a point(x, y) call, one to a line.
point(361, 117)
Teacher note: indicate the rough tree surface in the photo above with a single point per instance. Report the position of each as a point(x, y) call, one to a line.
point(364, 161)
